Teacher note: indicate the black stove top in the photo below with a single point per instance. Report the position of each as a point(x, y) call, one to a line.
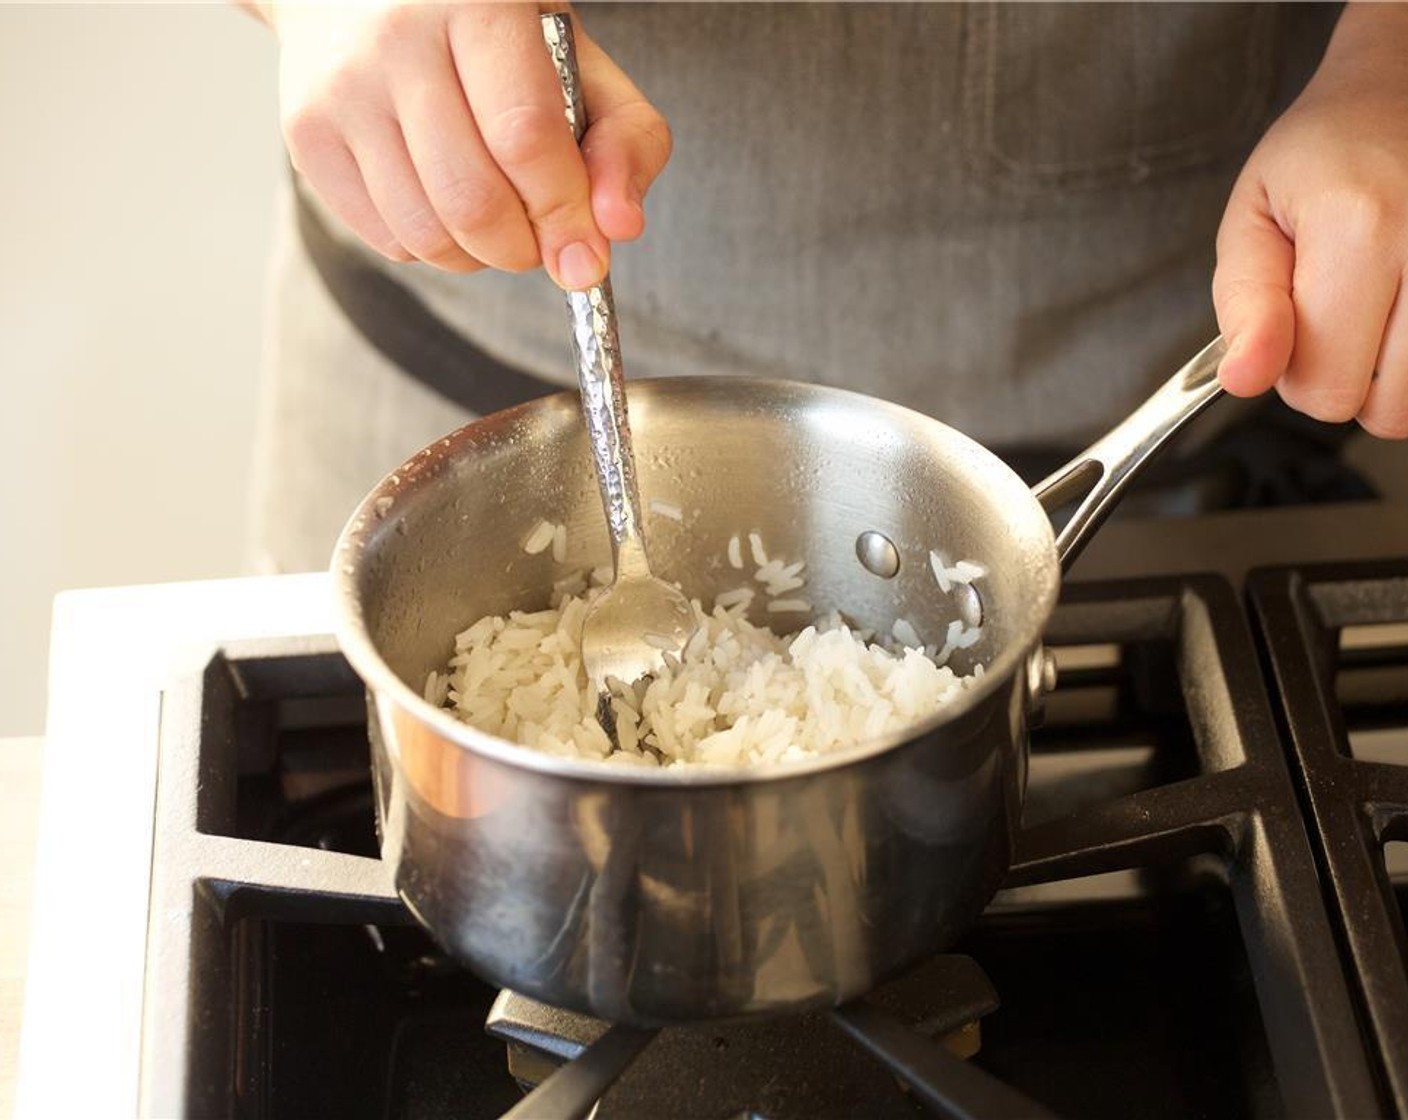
point(1340, 673)
point(1200, 920)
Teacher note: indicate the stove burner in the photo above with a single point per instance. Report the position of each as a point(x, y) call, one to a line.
point(801, 1066)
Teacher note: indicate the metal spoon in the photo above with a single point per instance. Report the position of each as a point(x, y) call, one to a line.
point(639, 618)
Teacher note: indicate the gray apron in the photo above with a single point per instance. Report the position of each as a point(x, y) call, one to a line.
point(1001, 215)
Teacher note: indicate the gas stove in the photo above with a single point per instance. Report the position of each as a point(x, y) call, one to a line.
point(1205, 915)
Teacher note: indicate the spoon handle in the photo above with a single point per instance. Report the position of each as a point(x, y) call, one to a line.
point(596, 347)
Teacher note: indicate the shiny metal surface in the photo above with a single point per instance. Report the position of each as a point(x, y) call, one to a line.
point(878, 553)
point(1041, 683)
point(562, 49)
point(639, 618)
point(1109, 464)
point(653, 896)
point(970, 604)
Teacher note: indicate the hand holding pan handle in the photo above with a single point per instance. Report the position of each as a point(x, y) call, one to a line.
point(1107, 466)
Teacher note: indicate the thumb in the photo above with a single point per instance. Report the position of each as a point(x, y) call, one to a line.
point(1251, 291)
point(626, 145)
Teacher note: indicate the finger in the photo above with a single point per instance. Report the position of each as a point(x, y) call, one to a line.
point(1251, 291)
point(626, 146)
point(1385, 411)
point(1342, 302)
point(394, 187)
point(328, 166)
point(475, 203)
point(516, 102)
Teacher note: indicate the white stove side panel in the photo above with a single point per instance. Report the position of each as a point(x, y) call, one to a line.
point(113, 653)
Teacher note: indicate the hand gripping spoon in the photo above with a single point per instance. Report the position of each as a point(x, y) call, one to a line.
point(639, 618)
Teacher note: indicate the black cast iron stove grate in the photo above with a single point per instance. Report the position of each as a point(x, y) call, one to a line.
point(283, 977)
point(1336, 640)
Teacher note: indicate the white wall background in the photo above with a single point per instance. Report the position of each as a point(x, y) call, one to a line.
point(139, 152)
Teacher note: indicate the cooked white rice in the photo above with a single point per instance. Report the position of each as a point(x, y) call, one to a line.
point(903, 631)
point(539, 537)
point(779, 577)
point(667, 509)
point(947, 575)
point(738, 597)
point(739, 695)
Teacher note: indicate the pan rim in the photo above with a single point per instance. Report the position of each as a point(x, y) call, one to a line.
point(357, 645)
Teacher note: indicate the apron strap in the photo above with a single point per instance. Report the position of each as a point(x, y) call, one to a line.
point(1274, 457)
point(395, 321)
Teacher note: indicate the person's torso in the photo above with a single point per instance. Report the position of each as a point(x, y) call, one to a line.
point(999, 214)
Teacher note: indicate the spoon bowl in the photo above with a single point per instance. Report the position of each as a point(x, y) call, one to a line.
point(631, 627)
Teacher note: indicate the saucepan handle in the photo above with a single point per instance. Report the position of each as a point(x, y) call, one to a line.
point(1103, 470)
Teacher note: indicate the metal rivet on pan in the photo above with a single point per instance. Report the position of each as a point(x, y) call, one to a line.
point(878, 554)
point(970, 604)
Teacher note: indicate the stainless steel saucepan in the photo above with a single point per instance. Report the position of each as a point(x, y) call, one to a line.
point(655, 896)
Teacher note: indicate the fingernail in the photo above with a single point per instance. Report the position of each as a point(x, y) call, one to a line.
point(578, 266)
